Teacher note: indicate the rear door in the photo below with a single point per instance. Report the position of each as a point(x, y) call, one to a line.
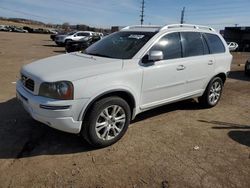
point(199, 63)
point(218, 50)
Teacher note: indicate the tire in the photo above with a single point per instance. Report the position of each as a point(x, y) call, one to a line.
point(101, 128)
point(67, 41)
point(59, 44)
point(247, 71)
point(212, 94)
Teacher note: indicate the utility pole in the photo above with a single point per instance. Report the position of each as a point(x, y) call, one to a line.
point(182, 15)
point(142, 12)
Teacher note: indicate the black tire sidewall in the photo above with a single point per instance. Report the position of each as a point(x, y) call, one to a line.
point(67, 41)
point(216, 79)
point(247, 72)
point(97, 108)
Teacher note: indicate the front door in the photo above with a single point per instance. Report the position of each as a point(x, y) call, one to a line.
point(164, 80)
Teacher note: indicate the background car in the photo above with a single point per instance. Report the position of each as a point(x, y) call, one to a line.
point(247, 68)
point(53, 35)
point(82, 44)
point(19, 30)
point(73, 36)
point(59, 39)
point(232, 46)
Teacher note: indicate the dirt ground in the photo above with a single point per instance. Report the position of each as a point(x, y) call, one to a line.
point(178, 145)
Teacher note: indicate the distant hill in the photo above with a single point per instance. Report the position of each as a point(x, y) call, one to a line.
point(23, 20)
point(20, 22)
point(38, 24)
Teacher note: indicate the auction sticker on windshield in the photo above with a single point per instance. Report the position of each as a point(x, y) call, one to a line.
point(136, 36)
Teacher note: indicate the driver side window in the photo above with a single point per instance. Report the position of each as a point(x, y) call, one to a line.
point(170, 45)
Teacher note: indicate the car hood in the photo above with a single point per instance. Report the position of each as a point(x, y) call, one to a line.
point(61, 36)
point(72, 66)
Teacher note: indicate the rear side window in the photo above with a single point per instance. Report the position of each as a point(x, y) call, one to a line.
point(170, 45)
point(83, 34)
point(193, 44)
point(215, 44)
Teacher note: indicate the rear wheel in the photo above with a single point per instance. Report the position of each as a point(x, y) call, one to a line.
point(212, 94)
point(107, 121)
point(247, 69)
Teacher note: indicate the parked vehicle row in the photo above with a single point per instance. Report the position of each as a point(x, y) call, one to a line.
point(8, 28)
point(4, 28)
point(26, 29)
point(96, 93)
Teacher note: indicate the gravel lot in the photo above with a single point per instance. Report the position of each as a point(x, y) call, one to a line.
point(178, 145)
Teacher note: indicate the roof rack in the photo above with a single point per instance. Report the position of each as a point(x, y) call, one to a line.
point(141, 26)
point(187, 26)
point(159, 28)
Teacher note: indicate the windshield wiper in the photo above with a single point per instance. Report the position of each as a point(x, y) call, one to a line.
point(99, 55)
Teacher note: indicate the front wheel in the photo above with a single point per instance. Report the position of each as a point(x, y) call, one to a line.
point(107, 121)
point(212, 94)
point(67, 41)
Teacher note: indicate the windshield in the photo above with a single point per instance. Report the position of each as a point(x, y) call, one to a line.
point(120, 45)
point(71, 33)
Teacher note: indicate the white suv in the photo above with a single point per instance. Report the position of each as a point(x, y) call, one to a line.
point(97, 92)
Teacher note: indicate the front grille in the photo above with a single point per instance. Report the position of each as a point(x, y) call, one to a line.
point(28, 82)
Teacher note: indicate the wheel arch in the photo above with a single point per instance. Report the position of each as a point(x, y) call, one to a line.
point(124, 94)
point(221, 75)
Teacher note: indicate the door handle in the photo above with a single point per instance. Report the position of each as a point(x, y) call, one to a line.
point(210, 62)
point(180, 67)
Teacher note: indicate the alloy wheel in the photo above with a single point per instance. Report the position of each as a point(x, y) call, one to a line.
point(110, 122)
point(215, 92)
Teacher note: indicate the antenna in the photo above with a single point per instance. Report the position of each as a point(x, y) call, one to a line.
point(182, 15)
point(142, 11)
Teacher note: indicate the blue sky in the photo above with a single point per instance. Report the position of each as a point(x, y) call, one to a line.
point(105, 13)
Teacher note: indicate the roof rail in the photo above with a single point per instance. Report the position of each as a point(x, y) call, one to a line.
point(187, 26)
point(141, 26)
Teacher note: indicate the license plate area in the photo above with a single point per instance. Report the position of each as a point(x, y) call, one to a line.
point(23, 97)
point(24, 101)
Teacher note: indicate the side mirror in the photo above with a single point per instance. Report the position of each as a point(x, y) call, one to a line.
point(74, 35)
point(156, 55)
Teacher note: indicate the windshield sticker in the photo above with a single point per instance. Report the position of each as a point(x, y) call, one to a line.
point(136, 36)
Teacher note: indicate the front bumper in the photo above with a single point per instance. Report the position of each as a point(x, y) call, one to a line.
point(59, 114)
point(59, 43)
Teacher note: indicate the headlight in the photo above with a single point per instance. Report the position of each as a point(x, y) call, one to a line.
point(57, 90)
